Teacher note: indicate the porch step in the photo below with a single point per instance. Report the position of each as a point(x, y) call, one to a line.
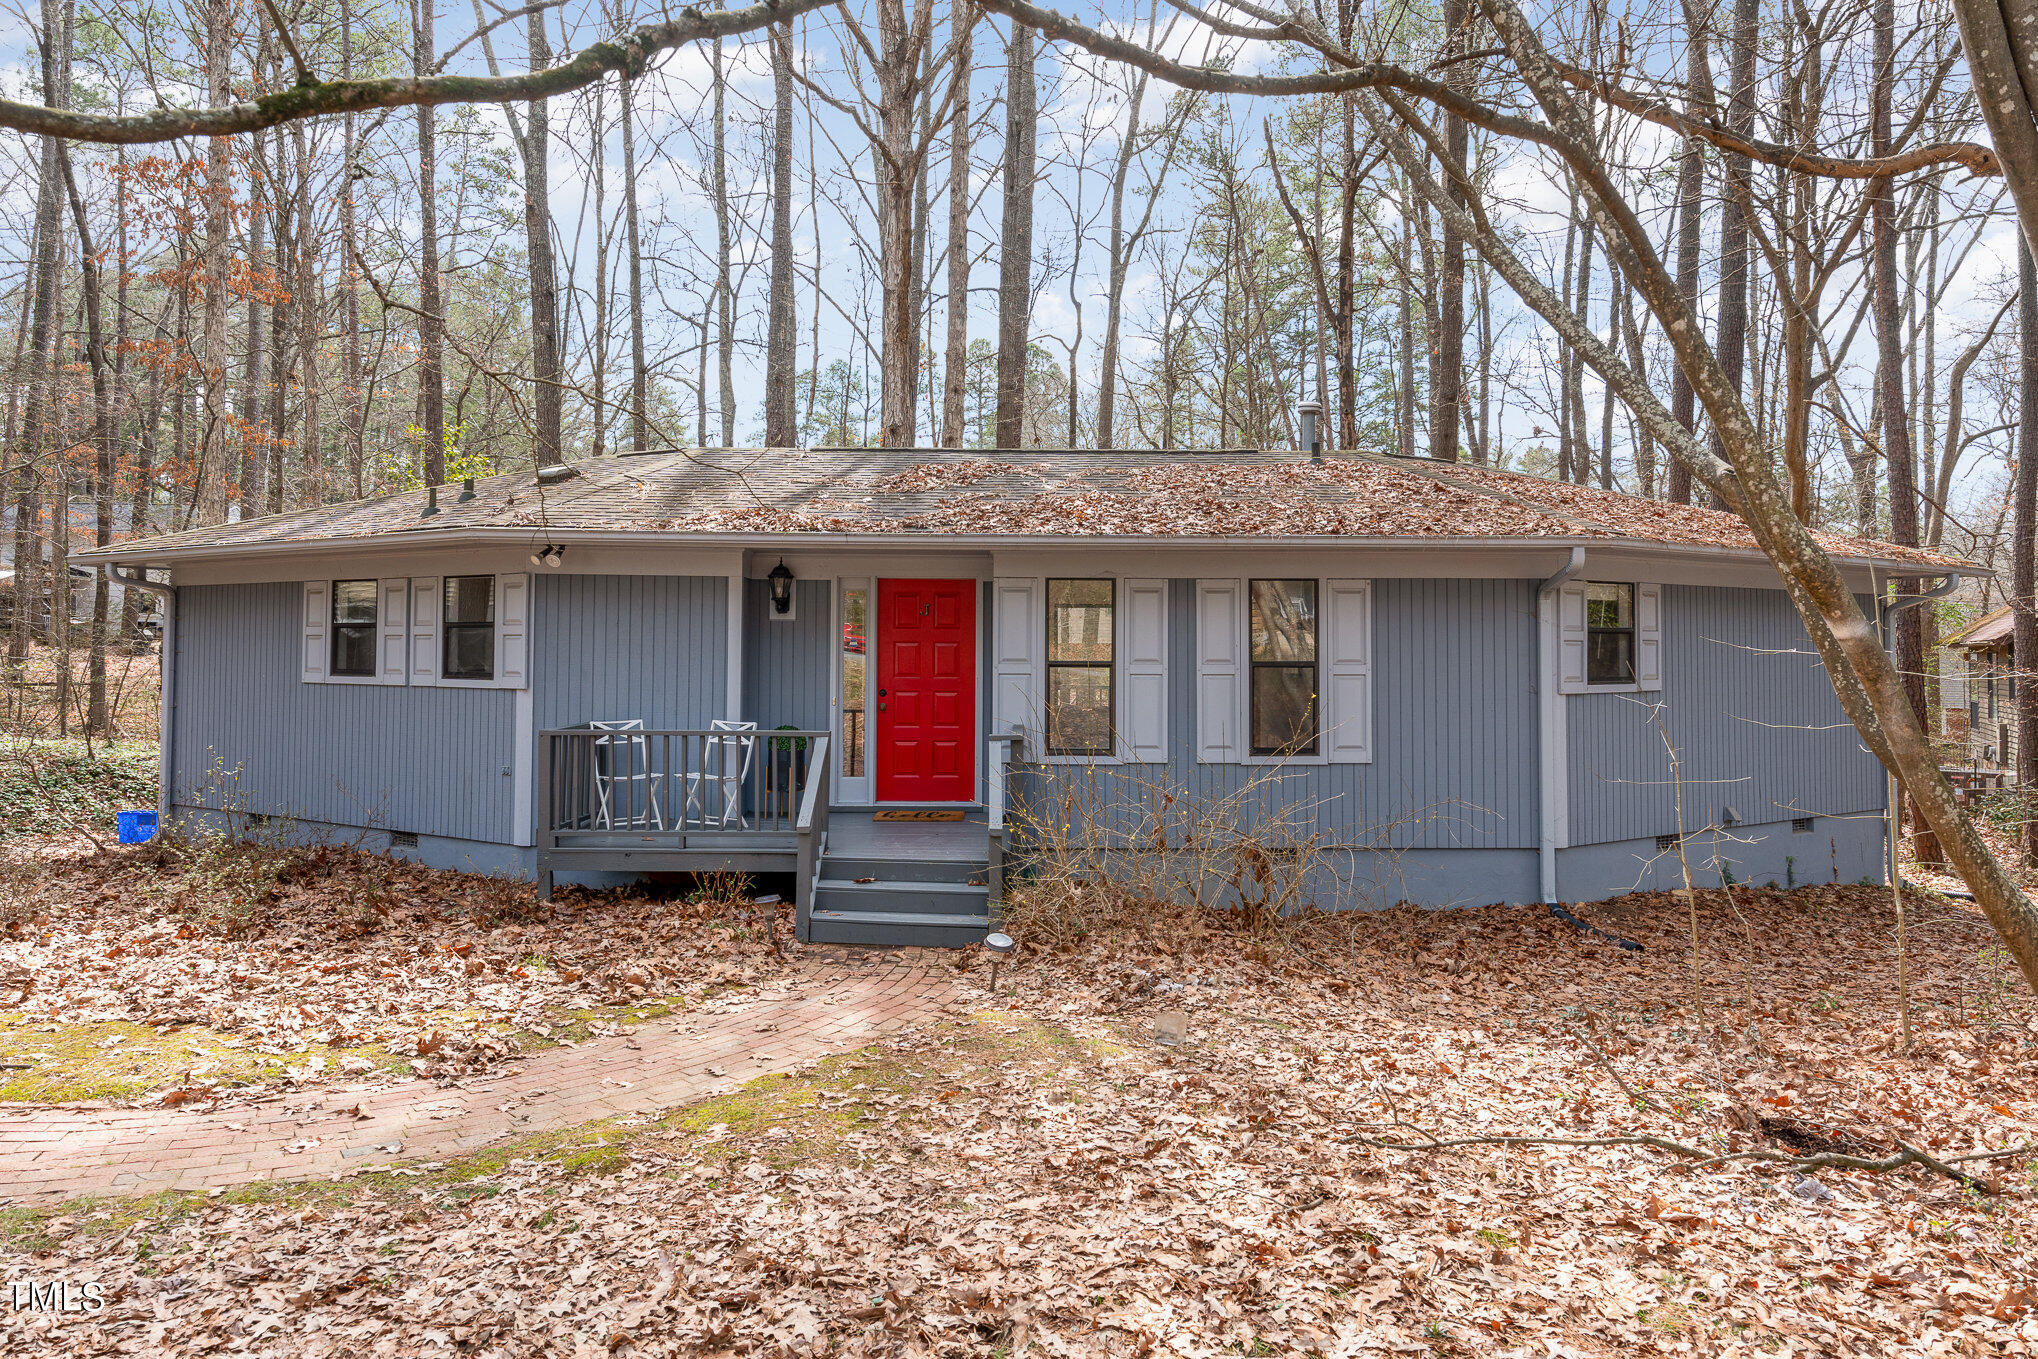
point(897, 929)
point(849, 868)
point(900, 897)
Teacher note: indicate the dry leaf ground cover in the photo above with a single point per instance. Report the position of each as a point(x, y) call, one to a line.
point(207, 970)
point(1047, 1178)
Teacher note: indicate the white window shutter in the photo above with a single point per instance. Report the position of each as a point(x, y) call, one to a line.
point(1018, 637)
point(1347, 672)
point(513, 630)
point(1649, 636)
point(318, 613)
point(1142, 639)
point(425, 599)
point(1571, 639)
point(1220, 672)
point(392, 627)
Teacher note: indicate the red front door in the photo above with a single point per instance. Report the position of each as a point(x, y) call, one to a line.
point(926, 690)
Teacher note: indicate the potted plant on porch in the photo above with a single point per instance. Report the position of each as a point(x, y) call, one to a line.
point(788, 768)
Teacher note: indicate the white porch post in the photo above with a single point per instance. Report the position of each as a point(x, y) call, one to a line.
point(733, 704)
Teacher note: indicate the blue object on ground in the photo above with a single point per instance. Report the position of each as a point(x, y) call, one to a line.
point(137, 828)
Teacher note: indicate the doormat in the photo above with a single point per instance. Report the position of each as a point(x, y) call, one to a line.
point(918, 814)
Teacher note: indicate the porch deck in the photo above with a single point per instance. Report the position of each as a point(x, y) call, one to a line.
point(641, 801)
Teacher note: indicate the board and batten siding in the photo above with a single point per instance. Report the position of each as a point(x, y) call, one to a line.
point(1753, 715)
point(787, 680)
point(1454, 723)
point(250, 735)
point(611, 648)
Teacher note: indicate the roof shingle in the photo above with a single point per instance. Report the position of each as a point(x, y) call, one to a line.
point(1017, 494)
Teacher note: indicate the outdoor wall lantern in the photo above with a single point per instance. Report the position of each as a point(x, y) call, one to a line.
point(781, 579)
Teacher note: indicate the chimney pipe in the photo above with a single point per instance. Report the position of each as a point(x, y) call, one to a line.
point(1312, 433)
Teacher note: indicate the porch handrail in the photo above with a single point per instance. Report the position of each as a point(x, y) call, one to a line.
point(689, 768)
point(997, 768)
point(811, 832)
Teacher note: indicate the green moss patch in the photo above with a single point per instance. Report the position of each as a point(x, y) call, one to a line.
point(48, 1063)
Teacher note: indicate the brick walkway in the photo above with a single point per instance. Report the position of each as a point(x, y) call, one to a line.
point(835, 1003)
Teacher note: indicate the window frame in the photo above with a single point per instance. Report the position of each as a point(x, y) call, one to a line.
point(410, 635)
point(1633, 632)
point(447, 628)
point(373, 627)
point(1110, 749)
point(1253, 665)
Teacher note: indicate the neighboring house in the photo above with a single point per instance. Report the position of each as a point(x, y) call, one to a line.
point(84, 527)
point(1991, 689)
point(1463, 680)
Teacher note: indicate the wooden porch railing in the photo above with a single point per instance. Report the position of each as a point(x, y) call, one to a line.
point(1004, 751)
point(677, 789)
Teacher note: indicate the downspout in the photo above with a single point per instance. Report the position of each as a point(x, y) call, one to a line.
point(166, 704)
point(1550, 744)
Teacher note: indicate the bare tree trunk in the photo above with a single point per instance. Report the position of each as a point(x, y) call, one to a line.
point(955, 360)
point(41, 425)
point(308, 324)
point(1446, 394)
point(1731, 344)
point(1690, 206)
point(640, 417)
point(2024, 541)
point(96, 720)
point(546, 398)
point(1015, 265)
point(1894, 423)
point(598, 413)
point(212, 473)
point(725, 300)
point(781, 348)
point(1404, 431)
point(431, 325)
point(354, 408)
point(248, 474)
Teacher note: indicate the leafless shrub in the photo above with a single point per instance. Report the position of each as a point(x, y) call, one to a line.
point(1127, 847)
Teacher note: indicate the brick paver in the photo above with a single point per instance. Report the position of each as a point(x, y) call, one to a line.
point(835, 1002)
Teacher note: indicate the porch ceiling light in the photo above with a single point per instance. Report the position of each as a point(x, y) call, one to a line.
point(781, 579)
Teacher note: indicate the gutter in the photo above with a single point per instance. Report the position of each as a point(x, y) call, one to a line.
point(166, 703)
point(1551, 747)
point(496, 535)
point(1939, 591)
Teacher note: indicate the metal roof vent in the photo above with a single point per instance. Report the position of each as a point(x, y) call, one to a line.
point(556, 473)
point(1312, 428)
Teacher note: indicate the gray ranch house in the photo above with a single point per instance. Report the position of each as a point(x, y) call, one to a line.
point(862, 667)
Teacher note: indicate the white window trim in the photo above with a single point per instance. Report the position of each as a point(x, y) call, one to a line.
point(315, 632)
point(408, 635)
point(1572, 634)
point(1327, 722)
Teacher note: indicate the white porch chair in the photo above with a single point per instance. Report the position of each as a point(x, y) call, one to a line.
point(624, 781)
point(726, 765)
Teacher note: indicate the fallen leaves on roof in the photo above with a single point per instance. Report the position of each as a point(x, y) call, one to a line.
point(1048, 493)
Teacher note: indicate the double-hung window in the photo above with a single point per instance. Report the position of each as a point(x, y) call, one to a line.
point(1081, 618)
point(468, 631)
point(354, 620)
point(1285, 716)
point(467, 621)
point(1609, 633)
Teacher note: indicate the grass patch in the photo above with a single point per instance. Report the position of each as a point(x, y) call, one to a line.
point(47, 787)
point(117, 1060)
